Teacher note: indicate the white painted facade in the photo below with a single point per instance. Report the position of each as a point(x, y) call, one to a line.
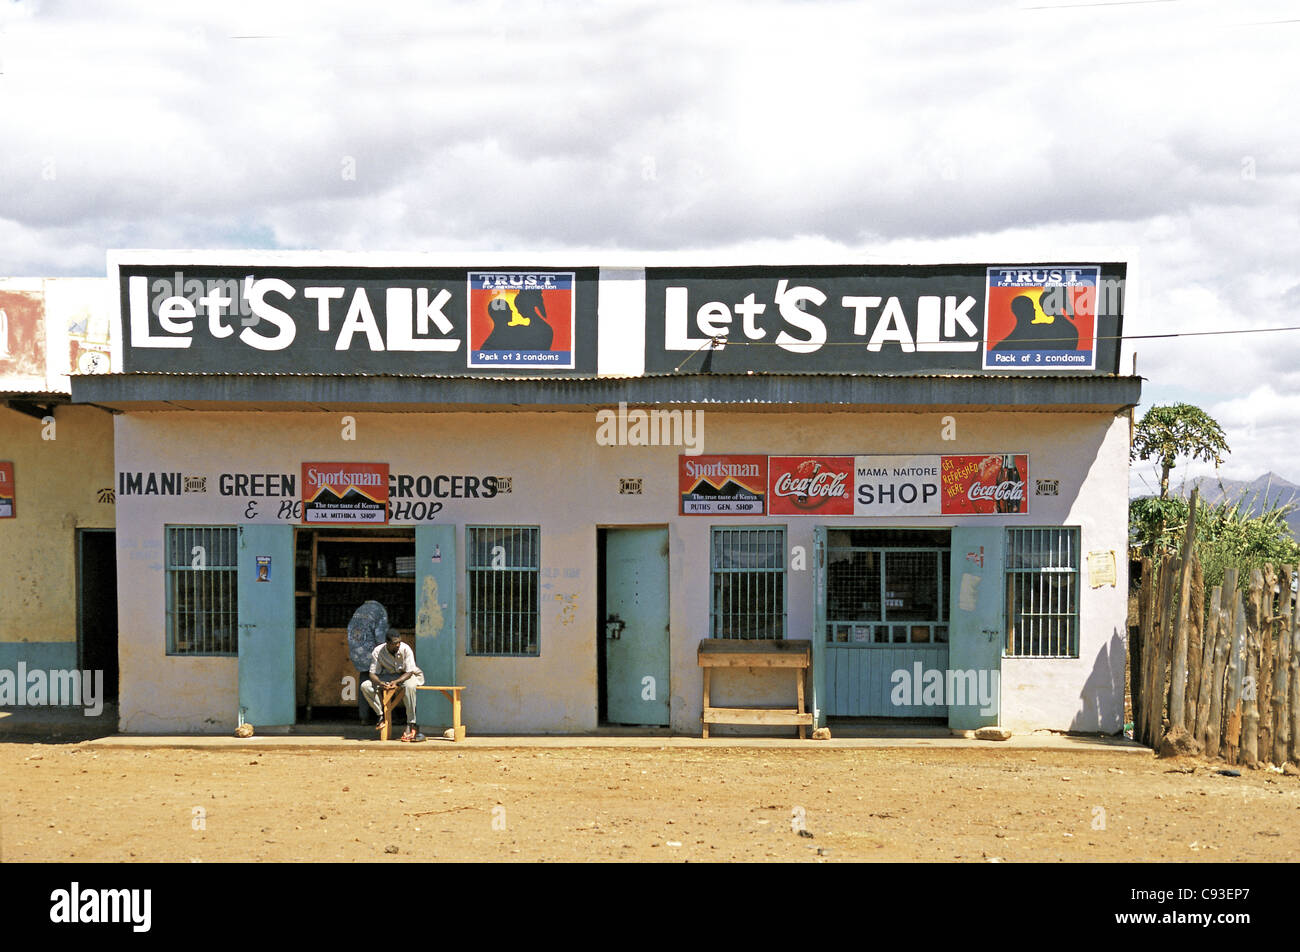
point(568, 484)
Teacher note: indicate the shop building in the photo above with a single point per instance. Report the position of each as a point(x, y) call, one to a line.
point(560, 478)
point(58, 595)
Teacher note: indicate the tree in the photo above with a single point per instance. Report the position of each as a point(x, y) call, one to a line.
point(1227, 534)
point(1179, 429)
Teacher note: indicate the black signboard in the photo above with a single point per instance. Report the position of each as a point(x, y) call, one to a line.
point(1063, 317)
point(368, 320)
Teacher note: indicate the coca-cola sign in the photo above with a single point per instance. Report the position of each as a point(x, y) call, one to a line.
point(810, 485)
point(985, 484)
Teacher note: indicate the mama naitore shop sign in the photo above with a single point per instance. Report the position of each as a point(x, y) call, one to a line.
point(972, 484)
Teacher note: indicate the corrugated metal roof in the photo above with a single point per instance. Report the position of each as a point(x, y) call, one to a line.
point(266, 391)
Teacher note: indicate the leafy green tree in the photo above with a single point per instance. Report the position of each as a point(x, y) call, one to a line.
point(1156, 524)
point(1178, 430)
point(1227, 535)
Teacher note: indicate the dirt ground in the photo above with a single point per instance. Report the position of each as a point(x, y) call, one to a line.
point(75, 802)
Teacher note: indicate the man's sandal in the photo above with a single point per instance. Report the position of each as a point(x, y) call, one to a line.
point(380, 726)
point(408, 736)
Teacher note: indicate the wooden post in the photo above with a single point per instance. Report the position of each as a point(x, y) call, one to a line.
point(1268, 624)
point(1168, 624)
point(1206, 677)
point(1168, 600)
point(1233, 673)
point(1150, 652)
point(1138, 650)
point(1293, 687)
point(1250, 691)
point(1214, 724)
point(1281, 667)
point(1158, 653)
point(1178, 647)
point(1195, 632)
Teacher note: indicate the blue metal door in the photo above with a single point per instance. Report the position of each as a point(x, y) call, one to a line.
point(819, 660)
point(266, 625)
point(978, 627)
point(883, 626)
point(636, 626)
point(435, 618)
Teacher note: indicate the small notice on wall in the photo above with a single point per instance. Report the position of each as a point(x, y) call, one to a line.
point(1101, 568)
point(6, 490)
point(968, 594)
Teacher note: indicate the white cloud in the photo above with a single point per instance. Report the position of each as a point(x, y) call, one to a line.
point(858, 130)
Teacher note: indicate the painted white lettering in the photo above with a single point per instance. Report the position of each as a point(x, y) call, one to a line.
point(401, 322)
point(359, 318)
point(676, 332)
point(137, 290)
point(322, 297)
point(787, 301)
point(255, 293)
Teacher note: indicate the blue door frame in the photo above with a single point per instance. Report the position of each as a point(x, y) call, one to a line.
point(978, 628)
point(265, 581)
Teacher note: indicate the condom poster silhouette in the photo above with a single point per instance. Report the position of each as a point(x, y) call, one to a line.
point(521, 319)
point(1041, 318)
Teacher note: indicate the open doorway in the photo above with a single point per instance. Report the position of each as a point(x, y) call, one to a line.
point(336, 571)
point(887, 596)
point(97, 605)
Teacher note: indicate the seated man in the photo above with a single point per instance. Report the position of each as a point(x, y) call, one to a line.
point(393, 664)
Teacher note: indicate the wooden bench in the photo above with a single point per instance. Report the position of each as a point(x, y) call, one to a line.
point(726, 653)
point(452, 693)
point(389, 699)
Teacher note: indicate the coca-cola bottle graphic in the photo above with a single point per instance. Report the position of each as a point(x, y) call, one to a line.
point(1008, 484)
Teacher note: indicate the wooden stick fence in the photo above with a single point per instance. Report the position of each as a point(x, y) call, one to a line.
point(1226, 670)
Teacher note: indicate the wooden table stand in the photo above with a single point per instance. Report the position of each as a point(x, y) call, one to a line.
point(452, 693)
point(725, 653)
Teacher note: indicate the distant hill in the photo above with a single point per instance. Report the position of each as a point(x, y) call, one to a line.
point(1269, 488)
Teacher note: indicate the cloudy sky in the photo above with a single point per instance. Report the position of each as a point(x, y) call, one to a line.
point(1163, 131)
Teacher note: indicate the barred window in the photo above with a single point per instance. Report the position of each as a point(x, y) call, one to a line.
point(202, 590)
point(1043, 593)
point(748, 568)
point(503, 611)
point(886, 586)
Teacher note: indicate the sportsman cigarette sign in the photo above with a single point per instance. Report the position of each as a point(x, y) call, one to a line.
point(344, 493)
point(722, 485)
